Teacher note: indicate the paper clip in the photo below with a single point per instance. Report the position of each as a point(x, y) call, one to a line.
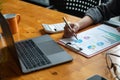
point(73, 46)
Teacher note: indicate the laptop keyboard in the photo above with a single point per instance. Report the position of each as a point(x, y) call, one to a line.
point(31, 55)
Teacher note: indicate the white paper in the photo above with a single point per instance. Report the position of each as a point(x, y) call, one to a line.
point(93, 40)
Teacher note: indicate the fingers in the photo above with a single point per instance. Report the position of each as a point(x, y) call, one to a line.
point(76, 27)
point(118, 29)
point(67, 31)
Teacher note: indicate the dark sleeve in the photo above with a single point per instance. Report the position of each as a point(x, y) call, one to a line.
point(104, 11)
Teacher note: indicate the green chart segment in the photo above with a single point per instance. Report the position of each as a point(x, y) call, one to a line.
point(111, 37)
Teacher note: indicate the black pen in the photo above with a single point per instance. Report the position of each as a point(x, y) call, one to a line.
point(65, 20)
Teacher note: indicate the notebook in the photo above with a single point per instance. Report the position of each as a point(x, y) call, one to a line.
point(93, 41)
point(36, 53)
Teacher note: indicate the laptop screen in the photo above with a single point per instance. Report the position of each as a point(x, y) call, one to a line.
point(6, 33)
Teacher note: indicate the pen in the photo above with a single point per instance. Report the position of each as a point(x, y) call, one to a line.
point(75, 35)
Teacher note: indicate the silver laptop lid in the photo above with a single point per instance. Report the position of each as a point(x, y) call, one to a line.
point(6, 33)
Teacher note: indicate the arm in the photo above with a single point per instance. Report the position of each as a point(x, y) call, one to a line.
point(95, 15)
point(84, 22)
point(104, 11)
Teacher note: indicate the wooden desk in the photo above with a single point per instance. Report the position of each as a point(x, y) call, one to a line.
point(32, 16)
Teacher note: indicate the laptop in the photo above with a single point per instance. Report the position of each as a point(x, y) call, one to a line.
point(36, 53)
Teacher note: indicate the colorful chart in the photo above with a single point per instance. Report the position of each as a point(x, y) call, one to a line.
point(94, 40)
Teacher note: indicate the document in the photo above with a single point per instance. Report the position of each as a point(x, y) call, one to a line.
point(93, 41)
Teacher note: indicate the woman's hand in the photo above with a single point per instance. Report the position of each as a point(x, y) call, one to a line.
point(76, 26)
point(118, 29)
point(67, 32)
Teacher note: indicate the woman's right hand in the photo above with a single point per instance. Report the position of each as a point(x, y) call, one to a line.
point(76, 26)
point(68, 33)
point(118, 29)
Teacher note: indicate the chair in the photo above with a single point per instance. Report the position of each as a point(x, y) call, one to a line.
point(74, 7)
